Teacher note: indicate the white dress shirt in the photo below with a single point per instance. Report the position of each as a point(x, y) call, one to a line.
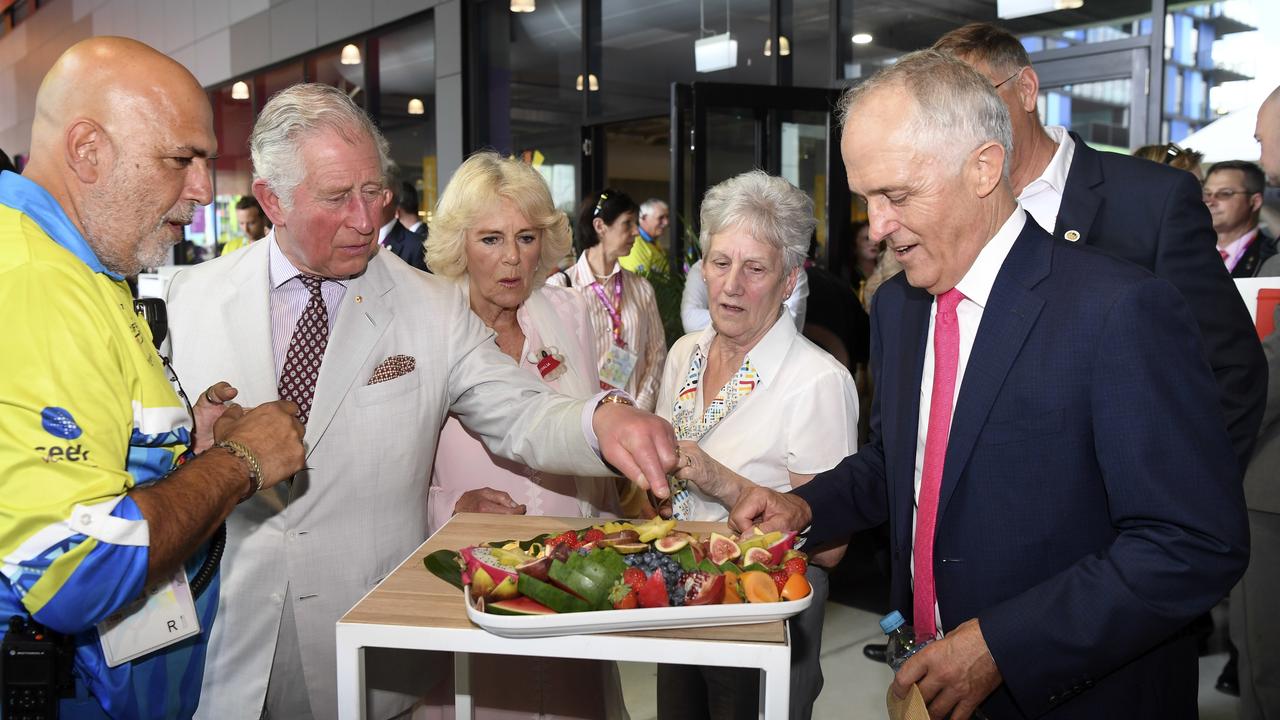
point(1042, 197)
point(976, 287)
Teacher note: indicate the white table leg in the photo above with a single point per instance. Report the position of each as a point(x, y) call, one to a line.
point(775, 685)
point(350, 676)
point(463, 704)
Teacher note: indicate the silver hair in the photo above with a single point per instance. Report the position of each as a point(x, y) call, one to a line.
point(651, 205)
point(292, 114)
point(768, 208)
point(957, 110)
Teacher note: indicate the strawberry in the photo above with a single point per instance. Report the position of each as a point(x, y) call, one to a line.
point(634, 577)
point(623, 596)
point(779, 578)
point(796, 566)
point(568, 538)
point(592, 535)
point(654, 592)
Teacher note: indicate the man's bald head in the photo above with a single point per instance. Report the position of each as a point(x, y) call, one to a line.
point(121, 139)
point(1268, 134)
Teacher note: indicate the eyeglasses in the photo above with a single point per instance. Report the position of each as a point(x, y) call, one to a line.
point(1002, 82)
point(600, 204)
point(1223, 195)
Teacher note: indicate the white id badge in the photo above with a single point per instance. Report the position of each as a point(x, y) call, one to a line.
point(162, 617)
point(617, 367)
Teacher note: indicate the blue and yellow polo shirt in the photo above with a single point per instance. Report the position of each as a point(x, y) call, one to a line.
point(86, 413)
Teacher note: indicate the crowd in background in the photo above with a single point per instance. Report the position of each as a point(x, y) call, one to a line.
point(474, 363)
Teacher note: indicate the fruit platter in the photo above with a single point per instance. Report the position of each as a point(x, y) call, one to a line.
point(622, 575)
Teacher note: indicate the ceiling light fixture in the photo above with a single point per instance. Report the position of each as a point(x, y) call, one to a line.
point(784, 46)
point(717, 52)
point(240, 90)
point(1009, 9)
point(861, 38)
point(350, 55)
point(416, 107)
point(592, 81)
point(523, 6)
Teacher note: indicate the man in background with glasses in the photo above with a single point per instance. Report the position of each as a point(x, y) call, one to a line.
point(1233, 194)
point(1132, 209)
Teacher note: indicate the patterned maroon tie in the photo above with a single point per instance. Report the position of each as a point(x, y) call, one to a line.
point(306, 350)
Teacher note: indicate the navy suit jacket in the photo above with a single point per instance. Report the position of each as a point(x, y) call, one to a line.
point(1152, 215)
point(1090, 506)
point(408, 245)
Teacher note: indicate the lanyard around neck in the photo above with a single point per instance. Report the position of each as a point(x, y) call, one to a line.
point(614, 307)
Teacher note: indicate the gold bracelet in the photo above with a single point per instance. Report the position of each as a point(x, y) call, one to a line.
point(255, 470)
point(616, 397)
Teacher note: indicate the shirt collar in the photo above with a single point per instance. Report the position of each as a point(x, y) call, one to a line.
point(768, 355)
point(1054, 176)
point(644, 235)
point(281, 270)
point(586, 275)
point(385, 230)
point(977, 282)
point(36, 203)
point(1237, 248)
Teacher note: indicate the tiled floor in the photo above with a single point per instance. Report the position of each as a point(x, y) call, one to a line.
point(855, 687)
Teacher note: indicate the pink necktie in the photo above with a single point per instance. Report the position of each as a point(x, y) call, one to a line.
point(306, 350)
point(1224, 254)
point(946, 358)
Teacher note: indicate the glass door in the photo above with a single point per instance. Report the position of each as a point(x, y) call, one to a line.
point(719, 130)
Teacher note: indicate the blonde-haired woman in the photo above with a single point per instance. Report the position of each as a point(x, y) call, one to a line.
point(497, 232)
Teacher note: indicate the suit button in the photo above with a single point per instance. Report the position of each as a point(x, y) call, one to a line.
point(1053, 699)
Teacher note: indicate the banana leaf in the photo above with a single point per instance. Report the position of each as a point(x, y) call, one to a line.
point(446, 565)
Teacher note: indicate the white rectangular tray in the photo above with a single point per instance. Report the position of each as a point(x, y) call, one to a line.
point(606, 621)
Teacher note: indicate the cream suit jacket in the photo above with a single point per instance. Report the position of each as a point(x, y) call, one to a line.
point(322, 541)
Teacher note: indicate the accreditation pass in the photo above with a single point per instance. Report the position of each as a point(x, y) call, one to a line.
point(164, 615)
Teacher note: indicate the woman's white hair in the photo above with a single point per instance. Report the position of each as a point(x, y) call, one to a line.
point(291, 115)
point(957, 110)
point(768, 208)
point(479, 183)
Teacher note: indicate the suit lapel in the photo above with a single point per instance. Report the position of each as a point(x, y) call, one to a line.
point(1010, 313)
point(363, 318)
point(912, 343)
point(1080, 201)
point(247, 299)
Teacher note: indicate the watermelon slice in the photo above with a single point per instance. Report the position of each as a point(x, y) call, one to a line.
point(518, 606)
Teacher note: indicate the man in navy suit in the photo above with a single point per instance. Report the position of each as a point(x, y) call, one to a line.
point(1046, 440)
point(397, 238)
point(1143, 212)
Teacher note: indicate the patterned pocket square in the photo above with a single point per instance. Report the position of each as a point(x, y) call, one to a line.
point(392, 368)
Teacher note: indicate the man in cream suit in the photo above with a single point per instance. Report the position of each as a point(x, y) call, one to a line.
point(376, 355)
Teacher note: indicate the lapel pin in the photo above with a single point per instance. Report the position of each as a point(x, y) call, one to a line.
point(1072, 235)
point(359, 299)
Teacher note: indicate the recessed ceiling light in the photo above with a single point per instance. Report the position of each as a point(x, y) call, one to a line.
point(861, 38)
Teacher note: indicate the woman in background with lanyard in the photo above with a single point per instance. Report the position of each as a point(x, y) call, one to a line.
point(629, 339)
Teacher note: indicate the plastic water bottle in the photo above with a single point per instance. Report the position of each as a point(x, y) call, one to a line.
point(901, 642)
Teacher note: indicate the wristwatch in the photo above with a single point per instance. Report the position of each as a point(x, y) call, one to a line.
point(616, 397)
